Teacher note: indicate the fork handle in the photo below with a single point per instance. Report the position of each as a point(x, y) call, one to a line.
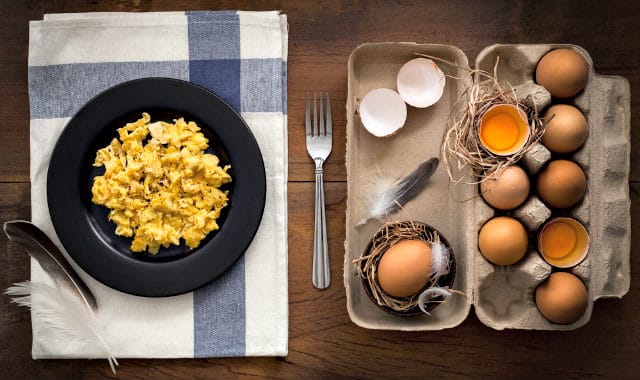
point(321, 274)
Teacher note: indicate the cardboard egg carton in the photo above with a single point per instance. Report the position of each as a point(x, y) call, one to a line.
point(503, 297)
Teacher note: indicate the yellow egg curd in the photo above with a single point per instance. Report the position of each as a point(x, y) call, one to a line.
point(160, 184)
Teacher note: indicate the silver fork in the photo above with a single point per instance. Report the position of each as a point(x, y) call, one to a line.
point(319, 147)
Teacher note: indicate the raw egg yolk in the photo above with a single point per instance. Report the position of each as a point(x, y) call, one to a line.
point(500, 131)
point(558, 240)
point(503, 129)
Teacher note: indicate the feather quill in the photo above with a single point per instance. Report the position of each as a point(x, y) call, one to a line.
point(40, 247)
point(62, 312)
point(390, 195)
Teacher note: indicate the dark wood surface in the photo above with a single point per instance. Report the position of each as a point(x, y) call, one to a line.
point(323, 342)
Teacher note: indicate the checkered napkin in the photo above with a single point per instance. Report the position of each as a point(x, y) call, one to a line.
point(240, 56)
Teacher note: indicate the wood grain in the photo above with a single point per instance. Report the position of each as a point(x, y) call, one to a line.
point(323, 342)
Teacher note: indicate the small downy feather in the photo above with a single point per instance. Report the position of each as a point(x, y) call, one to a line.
point(61, 311)
point(440, 260)
point(389, 195)
point(429, 294)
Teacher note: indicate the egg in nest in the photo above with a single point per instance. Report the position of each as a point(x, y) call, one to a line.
point(405, 268)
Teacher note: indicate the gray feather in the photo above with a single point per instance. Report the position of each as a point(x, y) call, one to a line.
point(390, 200)
point(412, 185)
point(52, 261)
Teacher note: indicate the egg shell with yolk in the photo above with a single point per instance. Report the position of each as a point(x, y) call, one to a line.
point(503, 129)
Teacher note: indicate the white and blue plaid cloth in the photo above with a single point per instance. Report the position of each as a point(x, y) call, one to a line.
point(240, 56)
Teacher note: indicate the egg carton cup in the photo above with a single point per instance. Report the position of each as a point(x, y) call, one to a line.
point(503, 296)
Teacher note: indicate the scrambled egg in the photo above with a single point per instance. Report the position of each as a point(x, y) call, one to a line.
point(163, 188)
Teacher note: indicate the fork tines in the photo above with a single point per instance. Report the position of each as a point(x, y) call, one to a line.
point(323, 127)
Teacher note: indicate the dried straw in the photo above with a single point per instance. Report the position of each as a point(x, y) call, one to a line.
point(389, 235)
point(461, 148)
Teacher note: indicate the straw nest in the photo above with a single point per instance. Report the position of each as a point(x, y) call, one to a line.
point(462, 151)
point(388, 235)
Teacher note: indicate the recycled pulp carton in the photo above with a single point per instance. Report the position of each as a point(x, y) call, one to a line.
point(503, 296)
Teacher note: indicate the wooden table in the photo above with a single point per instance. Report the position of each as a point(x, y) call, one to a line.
point(323, 342)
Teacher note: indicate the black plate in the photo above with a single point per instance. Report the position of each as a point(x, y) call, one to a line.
point(89, 237)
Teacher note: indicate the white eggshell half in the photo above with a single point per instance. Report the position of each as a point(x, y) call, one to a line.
point(382, 112)
point(420, 82)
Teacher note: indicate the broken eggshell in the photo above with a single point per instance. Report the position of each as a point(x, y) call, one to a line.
point(504, 129)
point(563, 242)
point(382, 112)
point(420, 82)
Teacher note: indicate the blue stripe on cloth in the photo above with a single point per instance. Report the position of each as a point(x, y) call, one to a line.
point(214, 35)
point(60, 90)
point(221, 76)
point(284, 87)
point(208, 16)
point(261, 85)
point(219, 315)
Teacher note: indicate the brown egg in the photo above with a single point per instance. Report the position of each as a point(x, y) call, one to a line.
point(405, 268)
point(509, 190)
point(562, 298)
point(567, 130)
point(561, 184)
point(563, 72)
point(503, 240)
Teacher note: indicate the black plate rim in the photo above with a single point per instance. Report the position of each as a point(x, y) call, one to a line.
point(205, 263)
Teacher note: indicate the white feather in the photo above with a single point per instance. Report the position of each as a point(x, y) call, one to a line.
point(62, 312)
point(383, 194)
point(387, 195)
point(429, 294)
point(440, 260)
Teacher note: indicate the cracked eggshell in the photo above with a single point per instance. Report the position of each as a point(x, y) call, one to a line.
point(563, 242)
point(382, 112)
point(504, 129)
point(420, 82)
